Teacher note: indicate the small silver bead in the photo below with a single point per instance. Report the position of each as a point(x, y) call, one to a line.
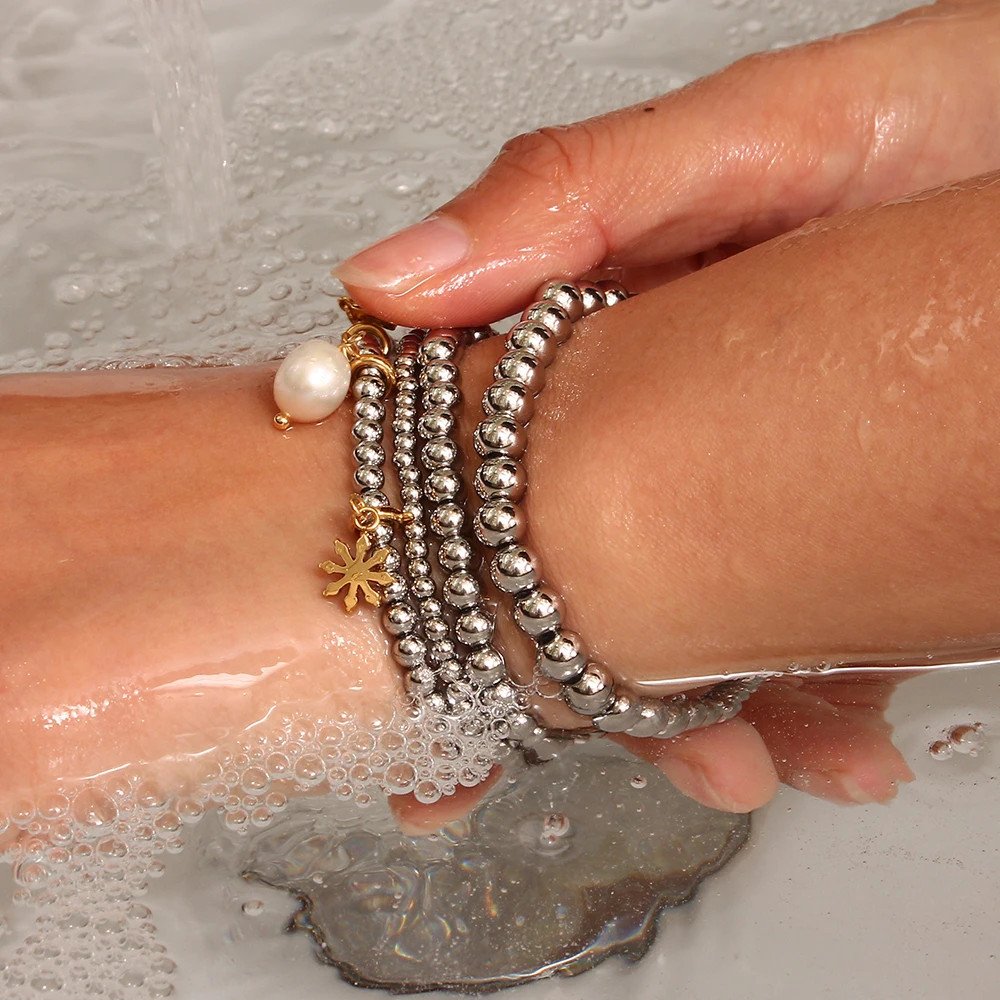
point(369, 453)
point(382, 535)
point(409, 650)
point(430, 607)
point(501, 694)
point(419, 568)
point(395, 591)
point(436, 703)
point(455, 553)
point(523, 367)
point(368, 387)
point(650, 719)
point(411, 495)
point(392, 562)
point(562, 657)
point(404, 459)
point(439, 452)
point(436, 629)
point(369, 409)
point(614, 292)
point(552, 316)
point(474, 628)
point(450, 671)
point(500, 435)
point(369, 477)
point(438, 372)
point(593, 299)
point(499, 522)
point(375, 498)
point(514, 569)
point(537, 611)
point(442, 485)
point(367, 430)
point(461, 590)
point(406, 441)
point(486, 666)
point(565, 294)
point(447, 519)
point(420, 680)
point(459, 700)
point(409, 476)
point(415, 548)
point(534, 338)
point(592, 692)
point(442, 394)
point(399, 619)
point(423, 587)
point(415, 530)
point(436, 422)
point(437, 349)
point(442, 651)
point(620, 714)
point(404, 424)
point(508, 396)
point(500, 476)
point(406, 390)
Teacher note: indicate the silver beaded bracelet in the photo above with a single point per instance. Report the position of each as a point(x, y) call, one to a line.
point(442, 629)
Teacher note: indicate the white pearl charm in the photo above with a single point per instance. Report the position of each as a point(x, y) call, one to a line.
point(311, 382)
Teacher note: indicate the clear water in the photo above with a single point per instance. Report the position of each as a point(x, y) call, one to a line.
point(219, 250)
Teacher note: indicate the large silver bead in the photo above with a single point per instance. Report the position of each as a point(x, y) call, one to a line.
point(593, 299)
point(437, 349)
point(514, 569)
point(592, 692)
point(369, 453)
point(439, 452)
point(620, 714)
point(614, 292)
point(367, 386)
point(552, 316)
point(500, 476)
point(436, 422)
point(395, 591)
point(461, 590)
point(456, 553)
point(369, 409)
point(486, 665)
point(447, 519)
point(535, 338)
point(499, 522)
point(510, 397)
point(523, 367)
point(562, 657)
point(500, 435)
point(474, 628)
point(409, 650)
point(442, 485)
point(369, 477)
point(565, 294)
point(420, 680)
point(537, 611)
point(399, 619)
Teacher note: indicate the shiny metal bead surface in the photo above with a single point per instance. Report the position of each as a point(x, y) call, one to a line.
point(522, 727)
point(456, 553)
point(392, 562)
point(451, 670)
point(441, 651)
point(552, 316)
point(409, 650)
point(442, 484)
point(592, 692)
point(593, 299)
point(436, 629)
point(614, 292)
point(500, 434)
point(439, 453)
point(436, 422)
point(562, 657)
point(565, 294)
point(447, 519)
point(442, 394)
point(510, 397)
point(399, 619)
point(369, 387)
point(651, 719)
point(486, 666)
point(420, 680)
point(369, 409)
point(369, 477)
point(415, 548)
point(430, 607)
point(422, 587)
point(523, 367)
point(436, 349)
point(438, 372)
point(474, 628)
point(673, 721)
point(461, 589)
point(396, 590)
point(369, 453)
point(367, 430)
point(500, 476)
point(514, 569)
point(622, 712)
point(535, 338)
point(498, 522)
point(537, 611)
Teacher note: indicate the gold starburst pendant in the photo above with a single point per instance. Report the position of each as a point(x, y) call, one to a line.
point(359, 572)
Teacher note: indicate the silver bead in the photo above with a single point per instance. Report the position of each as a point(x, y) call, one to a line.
point(698, 714)
point(437, 422)
point(369, 409)
point(592, 692)
point(420, 680)
point(500, 476)
point(415, 548)
point(437, 349)
point(620, 714)
point(461, 590)
point(409, 476)
point(430, 607)
point(438, 372)
point(439, 453)
point(447, 519)
point(537, 611)
point(399, 619)
point(404, 424)
point(474, 628)
point(508, 396)
point(442, 394)
point(436, 703)
point(395, 591)
point(442, 651)
point(411, 495)
point(442, 485)
point(459, 700)
point(424, 587)
point(405, 441)
point(523, 367)
point(673, 721)
point(451, 671)
point(614, 292)
point(368, 387)
point(486, 666)
point(535, 338)
point(565, 294)
point(367, 430)
point(522, 727)
point(514, 569)
point(593, 299)
point(375, 498)
point(552, 316)
point(455, 553)
point(392, 563)
point(500, 435)
point(369, 477)
point(650, 719)
point(562, 657)
point(406, 390)
point(409, 650)
point(436, 629)
point(404, 459)
point(382, 535)
point(369, 453)
point(420, 568)
point(499, 522)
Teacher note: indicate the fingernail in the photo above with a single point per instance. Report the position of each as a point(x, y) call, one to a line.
point(833, 785)
point(693, 782)
point(403, 261)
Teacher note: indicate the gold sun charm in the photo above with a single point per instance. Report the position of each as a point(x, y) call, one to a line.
point(358, 572)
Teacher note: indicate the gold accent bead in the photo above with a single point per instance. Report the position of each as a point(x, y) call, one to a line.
point(282, 421)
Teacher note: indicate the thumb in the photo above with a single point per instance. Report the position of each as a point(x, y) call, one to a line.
point(738, 157)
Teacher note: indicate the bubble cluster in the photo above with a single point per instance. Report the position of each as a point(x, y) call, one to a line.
point(966, 739)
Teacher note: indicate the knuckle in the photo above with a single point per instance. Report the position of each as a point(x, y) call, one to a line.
point(560, 157)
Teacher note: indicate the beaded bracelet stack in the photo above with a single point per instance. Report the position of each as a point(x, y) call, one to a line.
point(435, 611)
